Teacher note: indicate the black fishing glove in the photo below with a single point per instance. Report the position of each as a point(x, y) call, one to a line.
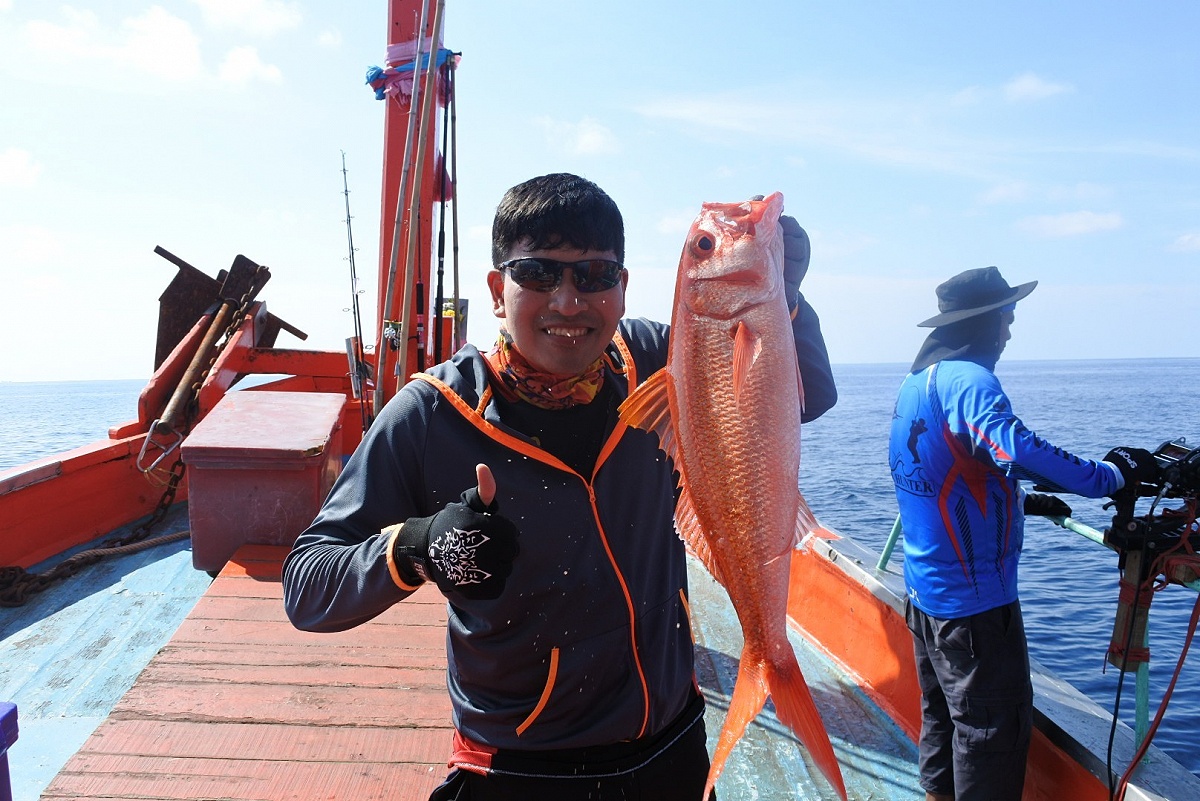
point(466, 548)
point(1045, 506)
point(1137, 466)
point(796, 253)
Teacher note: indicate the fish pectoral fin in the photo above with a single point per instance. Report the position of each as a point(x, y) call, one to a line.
point(746, 348)
point(806, 524)
point(649, 408)
point(800, 386)
point(692, 534)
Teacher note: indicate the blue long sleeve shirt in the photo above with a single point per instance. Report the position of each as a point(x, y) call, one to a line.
point(957, 453)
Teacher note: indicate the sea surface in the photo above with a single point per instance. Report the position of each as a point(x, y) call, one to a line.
point(1068, 585)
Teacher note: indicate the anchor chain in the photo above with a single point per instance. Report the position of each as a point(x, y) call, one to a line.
point(188, 408)
point(17, 584)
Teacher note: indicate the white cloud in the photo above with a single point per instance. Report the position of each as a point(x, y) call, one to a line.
point(1030, 87)
point(30, 244)
point(1188, 243)
point(242, 65)
point(1018, 191)
point(263, 17)
point(1072, 223)
point(5, 5)
point(849, 125)
point(330, 40)
point(155, 45)
point(17, 168)
point(1008, 192)
point(970, 96)
point(1080, 192)
point(584, 138)
point(156, 42)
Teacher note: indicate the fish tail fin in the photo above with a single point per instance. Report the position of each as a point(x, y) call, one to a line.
point(795, 708)
point(749, 696)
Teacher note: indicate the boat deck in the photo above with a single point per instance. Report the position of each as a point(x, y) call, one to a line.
point(238, 704)
point(143, 678)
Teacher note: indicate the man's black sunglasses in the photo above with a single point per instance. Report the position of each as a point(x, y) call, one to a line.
point(545, 275)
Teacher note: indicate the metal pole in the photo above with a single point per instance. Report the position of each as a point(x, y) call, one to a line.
point(888, 546)
point(415, 192)
point(459, 339)
point(389, 295)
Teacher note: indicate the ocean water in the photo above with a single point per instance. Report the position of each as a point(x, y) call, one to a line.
point(42, 418)
point(1068, 585)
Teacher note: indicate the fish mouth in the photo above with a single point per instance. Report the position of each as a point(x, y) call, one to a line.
point(737, 277)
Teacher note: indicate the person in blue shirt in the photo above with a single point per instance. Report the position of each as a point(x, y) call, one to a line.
point(957, 455)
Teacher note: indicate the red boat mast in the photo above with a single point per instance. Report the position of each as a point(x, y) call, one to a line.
point(413, 181)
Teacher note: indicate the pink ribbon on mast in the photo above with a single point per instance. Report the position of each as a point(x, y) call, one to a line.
point(396, 80)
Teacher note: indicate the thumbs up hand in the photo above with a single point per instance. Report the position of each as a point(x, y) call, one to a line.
point(467, 548)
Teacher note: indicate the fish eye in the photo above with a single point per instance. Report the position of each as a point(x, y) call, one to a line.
point(702, 244)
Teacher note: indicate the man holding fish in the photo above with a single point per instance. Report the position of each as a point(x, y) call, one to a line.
point(957, 455)
point(570, 660)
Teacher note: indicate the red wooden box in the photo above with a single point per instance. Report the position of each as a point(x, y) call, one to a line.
point(259, 466)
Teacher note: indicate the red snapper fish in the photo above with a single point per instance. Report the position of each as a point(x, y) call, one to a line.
point(726, 408)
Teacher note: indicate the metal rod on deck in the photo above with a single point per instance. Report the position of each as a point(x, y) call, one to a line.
point(1071, 524)
point(182, 395)
point(1141, 709)
point(888, 546)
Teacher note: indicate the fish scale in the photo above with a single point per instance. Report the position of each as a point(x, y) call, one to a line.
point(725, 410)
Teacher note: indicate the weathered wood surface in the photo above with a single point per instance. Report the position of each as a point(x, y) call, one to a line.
point(240, 705)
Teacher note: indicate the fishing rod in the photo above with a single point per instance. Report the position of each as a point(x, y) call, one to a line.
point(360, 371)
point(439, 292)
point(410, 265)
point(459, 316)
point(384, 341)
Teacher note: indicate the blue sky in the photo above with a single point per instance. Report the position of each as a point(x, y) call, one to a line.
point(1056, 141)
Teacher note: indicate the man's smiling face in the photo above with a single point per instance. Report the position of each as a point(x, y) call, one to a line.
point(561, 332)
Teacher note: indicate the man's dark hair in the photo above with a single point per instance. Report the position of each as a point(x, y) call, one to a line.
point(557, 210)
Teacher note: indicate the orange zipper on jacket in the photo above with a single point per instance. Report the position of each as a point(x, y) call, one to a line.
point(475, 417)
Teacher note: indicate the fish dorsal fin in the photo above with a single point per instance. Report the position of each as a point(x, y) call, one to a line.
point(649, 409)
point(688, 527)
point(746, 347)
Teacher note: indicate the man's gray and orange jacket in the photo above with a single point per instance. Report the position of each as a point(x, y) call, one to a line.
point(589, 644)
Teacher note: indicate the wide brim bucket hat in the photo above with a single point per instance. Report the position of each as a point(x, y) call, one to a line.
point(974, 292)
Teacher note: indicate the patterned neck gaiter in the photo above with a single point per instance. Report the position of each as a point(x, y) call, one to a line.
point(543, 390)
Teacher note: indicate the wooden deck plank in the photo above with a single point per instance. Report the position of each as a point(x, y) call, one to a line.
point(312, 705)
point(194, 653)
point(237, 779)
point(245, 666)
point(192, 740)
point(241, 705)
